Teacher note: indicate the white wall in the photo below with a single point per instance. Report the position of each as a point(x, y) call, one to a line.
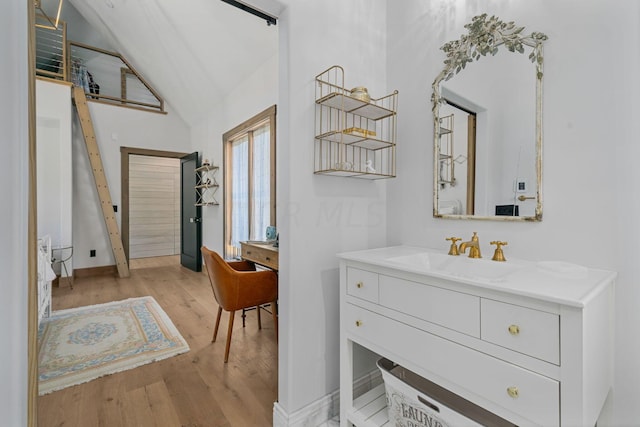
point(78, 29)
point(254, 95)
point(53, 141)
point(13, 216)
point(592, 62)
point(115, 127)
point(319, 216)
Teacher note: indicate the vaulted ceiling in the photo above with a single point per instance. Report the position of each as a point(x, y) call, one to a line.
point(193, 52)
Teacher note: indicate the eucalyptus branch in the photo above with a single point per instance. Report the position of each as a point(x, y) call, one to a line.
point(485, 36)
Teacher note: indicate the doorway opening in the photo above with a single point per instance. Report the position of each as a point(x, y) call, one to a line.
point(150, 189)
point(457, 159)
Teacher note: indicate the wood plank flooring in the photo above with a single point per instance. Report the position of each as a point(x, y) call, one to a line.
point(195, 389)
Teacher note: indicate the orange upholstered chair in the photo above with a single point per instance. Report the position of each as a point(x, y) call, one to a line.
point(236, 286)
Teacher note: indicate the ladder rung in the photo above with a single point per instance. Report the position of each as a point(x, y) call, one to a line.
point(100, 180)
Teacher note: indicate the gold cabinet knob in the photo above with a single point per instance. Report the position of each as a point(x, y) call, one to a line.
point(359, 285)
point(358, 323)
point(514, 329)
point(513, 392)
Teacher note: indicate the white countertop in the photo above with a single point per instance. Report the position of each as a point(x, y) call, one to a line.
point(552, 281)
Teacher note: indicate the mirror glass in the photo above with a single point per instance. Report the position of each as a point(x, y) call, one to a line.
point(487, 109)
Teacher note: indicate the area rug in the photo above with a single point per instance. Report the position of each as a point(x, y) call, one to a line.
point(81, 344)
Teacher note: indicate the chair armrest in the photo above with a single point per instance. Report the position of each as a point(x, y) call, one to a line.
point(242, 265)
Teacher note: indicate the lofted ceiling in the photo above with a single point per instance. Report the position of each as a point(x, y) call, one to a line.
point(192, 52)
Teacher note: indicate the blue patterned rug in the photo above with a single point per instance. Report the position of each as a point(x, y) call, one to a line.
point(81, 344)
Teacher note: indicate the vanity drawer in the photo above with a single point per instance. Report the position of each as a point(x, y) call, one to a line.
point(451, 309)
point(525, 330)
point(532, 396)
point(362, 284)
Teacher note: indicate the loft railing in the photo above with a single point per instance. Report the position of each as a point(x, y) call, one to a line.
point(105, 76)
point(51, 49)
point(108, 77)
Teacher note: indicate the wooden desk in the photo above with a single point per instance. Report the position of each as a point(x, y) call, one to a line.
point(262, 253)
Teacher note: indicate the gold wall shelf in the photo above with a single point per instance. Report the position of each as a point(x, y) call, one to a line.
point(354, 137)
point(445, 148)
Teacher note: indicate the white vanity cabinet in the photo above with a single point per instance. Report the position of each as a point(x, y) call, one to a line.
point(533, 346)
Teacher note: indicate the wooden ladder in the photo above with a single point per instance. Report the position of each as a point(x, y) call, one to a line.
point(102, 187)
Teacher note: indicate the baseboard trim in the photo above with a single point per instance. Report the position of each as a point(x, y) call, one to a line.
point(314, 414)
point(105, 270)
point(321, 411)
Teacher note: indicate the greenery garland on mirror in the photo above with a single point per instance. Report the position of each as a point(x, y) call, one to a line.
point(485, 35)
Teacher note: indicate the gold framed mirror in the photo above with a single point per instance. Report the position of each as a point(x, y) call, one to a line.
point(487, 120)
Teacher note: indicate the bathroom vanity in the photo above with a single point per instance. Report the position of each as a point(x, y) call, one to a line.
point(529, 342)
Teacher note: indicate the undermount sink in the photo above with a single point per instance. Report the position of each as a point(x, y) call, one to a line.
point(479, 269)
point(421, 260)
point(457, 266)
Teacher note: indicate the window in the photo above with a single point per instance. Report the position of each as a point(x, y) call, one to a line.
point(249, 183)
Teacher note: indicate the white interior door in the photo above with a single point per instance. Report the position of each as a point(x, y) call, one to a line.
point(154, 206)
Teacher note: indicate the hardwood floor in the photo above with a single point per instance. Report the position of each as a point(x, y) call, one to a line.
point(193, 389)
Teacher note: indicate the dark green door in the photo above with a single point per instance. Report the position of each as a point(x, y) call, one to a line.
point(190, 214)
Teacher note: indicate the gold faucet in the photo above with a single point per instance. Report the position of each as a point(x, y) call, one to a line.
point(473, 245)
point(498, 255)
point(453, 250)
